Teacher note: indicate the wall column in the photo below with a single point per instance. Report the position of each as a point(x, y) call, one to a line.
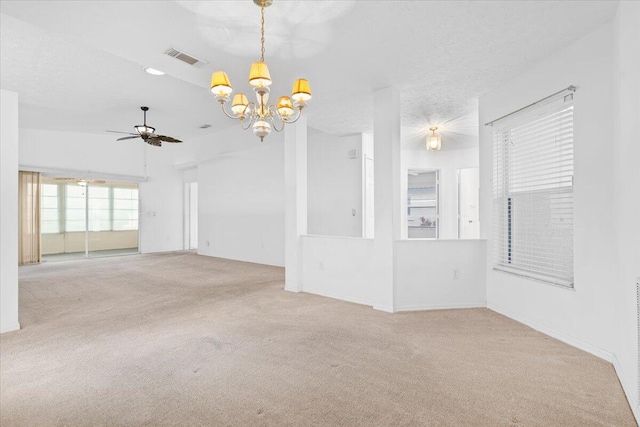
point(9, 212)
point(295, 215)
point(387, 184)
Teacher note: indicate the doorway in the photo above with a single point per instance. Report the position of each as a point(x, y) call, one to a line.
point(423, 210)
point(191, 215)
point(468, 203)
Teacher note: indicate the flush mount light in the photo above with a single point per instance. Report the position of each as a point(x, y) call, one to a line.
point(434, 142)
point(153, 71)
point(260, 116)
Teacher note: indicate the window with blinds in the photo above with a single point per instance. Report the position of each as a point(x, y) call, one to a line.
point(533, 193)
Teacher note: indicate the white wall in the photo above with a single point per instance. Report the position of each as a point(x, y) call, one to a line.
point(81, 151)
point(161, 200)
point(334, 185)
point(339, 267)
point(241, 197)
point(424, 273)
point(385, 272)
point(8, 211)
point(447, 162)
point(587, 316)
point(627, 192)
point(161, 213)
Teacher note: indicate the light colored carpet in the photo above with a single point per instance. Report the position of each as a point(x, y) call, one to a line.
point(180, 339)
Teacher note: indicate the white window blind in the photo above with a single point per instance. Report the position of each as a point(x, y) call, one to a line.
point(533, 193)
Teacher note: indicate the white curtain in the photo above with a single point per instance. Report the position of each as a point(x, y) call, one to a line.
point(29, 214)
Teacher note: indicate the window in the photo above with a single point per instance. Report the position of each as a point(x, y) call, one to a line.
point(125, 209)
point(75, 208)
point(50, 212)
point(422, 205)
point(64, 208)
point(533, 193)
point(99, 208)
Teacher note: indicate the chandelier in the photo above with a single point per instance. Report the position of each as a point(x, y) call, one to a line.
point(260, 116)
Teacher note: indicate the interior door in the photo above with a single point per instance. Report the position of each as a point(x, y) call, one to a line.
point(468, 203)
point(193, 215)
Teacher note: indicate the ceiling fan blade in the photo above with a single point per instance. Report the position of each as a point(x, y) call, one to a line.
point(128, 137)
point(117, 131)
point(155, 141)
point(167, 138)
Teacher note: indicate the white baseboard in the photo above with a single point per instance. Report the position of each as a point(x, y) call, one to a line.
point(10, 327)
point(290, 289)
point(388, 308)
point(342, 297)
point(419, 307)
point(385, 308)
point(575, 342)
point(582, 345)
point(635, 405)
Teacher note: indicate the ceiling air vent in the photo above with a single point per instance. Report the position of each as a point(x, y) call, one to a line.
point(205, 126)
point(185, 57)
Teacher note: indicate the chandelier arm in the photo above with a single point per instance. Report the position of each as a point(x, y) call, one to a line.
point(297, 117)
point(249, 123)
point(248, 108)
point(227, 114)
point(274, 113)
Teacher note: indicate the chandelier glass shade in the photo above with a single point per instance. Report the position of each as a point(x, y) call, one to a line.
point(261, 116)
point(434, 142)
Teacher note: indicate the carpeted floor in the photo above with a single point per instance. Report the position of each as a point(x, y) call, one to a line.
point(180, 339)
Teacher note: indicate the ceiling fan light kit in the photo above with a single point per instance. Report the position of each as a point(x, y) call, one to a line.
point(144, 130)
point(261, 116)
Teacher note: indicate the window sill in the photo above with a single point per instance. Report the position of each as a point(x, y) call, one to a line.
point(527, 275)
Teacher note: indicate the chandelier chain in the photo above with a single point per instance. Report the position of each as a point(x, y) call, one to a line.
point(262, 33)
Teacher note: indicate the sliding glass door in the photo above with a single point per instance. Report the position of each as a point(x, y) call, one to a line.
point(82, 219)
point(113, 219)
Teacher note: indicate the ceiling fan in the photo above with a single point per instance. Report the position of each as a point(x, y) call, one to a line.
point(147, 133)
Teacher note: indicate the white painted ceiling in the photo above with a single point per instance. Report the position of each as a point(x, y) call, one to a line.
point(77, 65)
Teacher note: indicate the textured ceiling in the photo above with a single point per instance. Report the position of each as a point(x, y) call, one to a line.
point(77, 65)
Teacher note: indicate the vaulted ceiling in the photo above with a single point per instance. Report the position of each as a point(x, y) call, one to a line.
point(78, 65)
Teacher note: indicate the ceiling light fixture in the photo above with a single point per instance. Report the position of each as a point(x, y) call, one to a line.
point(260, 115)
point(434, 142)
point(144, 130)
point(153, 71)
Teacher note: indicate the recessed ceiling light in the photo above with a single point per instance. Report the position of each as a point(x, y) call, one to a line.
point(153, 71)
